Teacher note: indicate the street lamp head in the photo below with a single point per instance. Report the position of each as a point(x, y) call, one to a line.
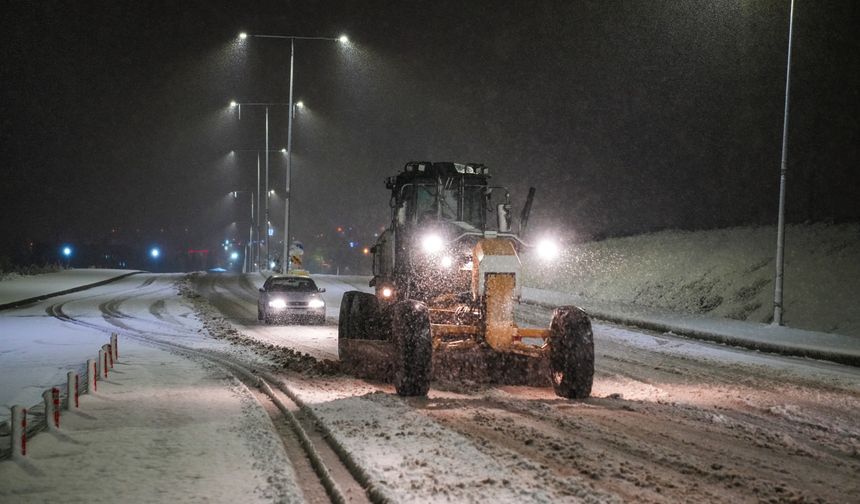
point(243, 36)
point(233, 103)
point(343, 39)
point(284, 150)
point(300, 104)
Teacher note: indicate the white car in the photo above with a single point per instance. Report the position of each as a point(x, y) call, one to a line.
point(290, 298)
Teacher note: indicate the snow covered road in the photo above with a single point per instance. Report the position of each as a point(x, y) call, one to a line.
point(670, 419)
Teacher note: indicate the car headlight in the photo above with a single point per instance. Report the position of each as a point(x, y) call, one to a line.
point(278, 303)
point(431, 243)
point(316, 303)
point(547, 249)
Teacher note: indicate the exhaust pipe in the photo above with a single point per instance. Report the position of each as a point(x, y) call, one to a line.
point(524, 215)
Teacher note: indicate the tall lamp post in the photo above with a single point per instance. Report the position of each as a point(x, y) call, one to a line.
point(778, 307)
point(292, 38)
point(238, 106)
point(255, 216)
point(248, 266)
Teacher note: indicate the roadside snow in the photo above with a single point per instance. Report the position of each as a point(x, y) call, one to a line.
point(19, 288)
point(722, 273)
point(161, 429)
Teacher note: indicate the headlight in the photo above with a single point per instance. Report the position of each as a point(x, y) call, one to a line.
point(431, 243)
point(547, 249)
point(316, 303)
point(278, 303)
point(447, 262)
point(387, 292)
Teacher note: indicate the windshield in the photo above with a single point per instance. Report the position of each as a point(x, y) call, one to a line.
point(450, 207)
point(291, 285)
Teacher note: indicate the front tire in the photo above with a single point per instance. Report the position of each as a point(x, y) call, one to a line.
point(344, 323)
point(413, 348)
point(571, 353)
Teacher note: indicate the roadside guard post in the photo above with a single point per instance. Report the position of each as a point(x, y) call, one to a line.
point(109, 354)
point(113, 343)
point(19, 431)
point(52, 408)
point(103, 370)
point(92, 376)
point(72, 390)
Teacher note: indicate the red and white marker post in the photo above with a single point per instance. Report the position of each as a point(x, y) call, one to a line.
point(19, 431)
point(52, 408)
point(92, 376)
point(103, 370)
point(113, 344)
point(72, 390)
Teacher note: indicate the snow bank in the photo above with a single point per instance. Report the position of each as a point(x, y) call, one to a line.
point(16, 289)
point(161, 429)
point(722, 273)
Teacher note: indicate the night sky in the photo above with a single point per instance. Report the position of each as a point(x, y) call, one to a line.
point(627, 116)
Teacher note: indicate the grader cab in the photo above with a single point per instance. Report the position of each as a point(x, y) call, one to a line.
point(446, 275)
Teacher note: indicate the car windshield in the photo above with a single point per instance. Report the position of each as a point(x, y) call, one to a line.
point(291, 285)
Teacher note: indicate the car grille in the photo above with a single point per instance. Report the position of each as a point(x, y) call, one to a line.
point(298, 303)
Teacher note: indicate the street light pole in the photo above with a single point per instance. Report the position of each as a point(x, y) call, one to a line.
point(778, 306)
point(268, 238)
point(238, 106)
point(256, 215)
point(292, 38)
point(285, 258)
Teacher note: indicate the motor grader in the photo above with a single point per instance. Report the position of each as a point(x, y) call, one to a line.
point(446, 275)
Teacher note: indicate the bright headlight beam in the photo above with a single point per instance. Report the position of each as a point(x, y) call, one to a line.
point(547, 249)
point(431, 243)
point(278, 303)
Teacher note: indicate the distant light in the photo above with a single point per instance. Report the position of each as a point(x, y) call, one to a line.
point(352, 244)
point(232, 152)
point(154, 252)
point(271, 231)
point(343, 39)
point(284, 150)
point(271, 192)
point(387, 292)
point(67, 251)
point(233, 103)
point(300, 104)
point(243, 36)
point(234, 256)
point(365, 251)
point(272, 265)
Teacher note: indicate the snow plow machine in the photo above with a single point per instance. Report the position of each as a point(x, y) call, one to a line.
point(446, 275)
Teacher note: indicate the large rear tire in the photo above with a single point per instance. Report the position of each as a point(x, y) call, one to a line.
point(413, 348)
point(571, 353)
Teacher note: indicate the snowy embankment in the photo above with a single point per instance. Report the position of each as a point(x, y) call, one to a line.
point(724, 274)
point(18, 289)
